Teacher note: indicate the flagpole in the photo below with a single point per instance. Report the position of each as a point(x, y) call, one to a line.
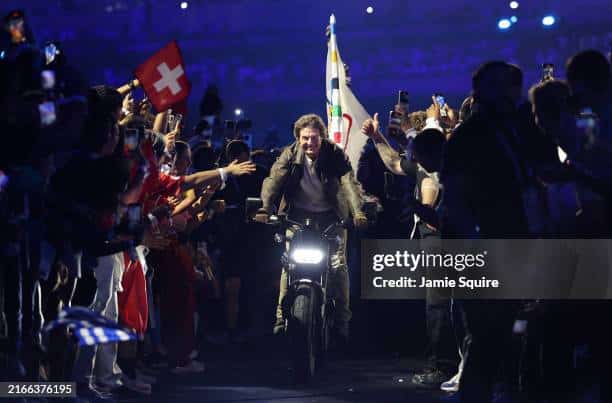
point(334, 96)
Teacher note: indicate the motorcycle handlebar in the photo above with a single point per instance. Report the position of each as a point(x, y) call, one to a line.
point(281, 219)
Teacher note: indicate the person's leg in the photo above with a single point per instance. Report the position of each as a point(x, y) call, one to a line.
point(106, 370)
point(11, 273)
point(490, 326)
point(28, 261)
point(340, 287)
point(441, 351)
point(128, 358)
point(175, 306)
point(283, 287)
point(462, 342)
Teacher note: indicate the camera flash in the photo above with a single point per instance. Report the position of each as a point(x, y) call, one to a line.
point(238, 112)
point(370, 10)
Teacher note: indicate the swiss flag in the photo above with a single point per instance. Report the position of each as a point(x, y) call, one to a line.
point(163, 77)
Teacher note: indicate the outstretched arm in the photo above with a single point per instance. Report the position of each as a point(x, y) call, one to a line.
point(208, 177)
point(273, 184)
point(389, 156)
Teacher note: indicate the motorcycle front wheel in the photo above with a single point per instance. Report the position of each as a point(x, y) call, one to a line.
point(304, 333)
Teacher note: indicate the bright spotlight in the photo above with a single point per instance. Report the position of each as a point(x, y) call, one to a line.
point(504, 24)
point(184, 5)
point(513, 19)
point(548, 21)
point(370, 10)
point(514, 5)
point(237, 111)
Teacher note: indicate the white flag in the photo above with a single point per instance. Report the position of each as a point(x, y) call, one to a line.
point(345, 113)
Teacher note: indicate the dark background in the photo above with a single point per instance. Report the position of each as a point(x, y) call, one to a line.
point(268, 56)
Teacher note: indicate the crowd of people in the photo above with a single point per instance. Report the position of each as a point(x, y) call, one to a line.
point(508, 166)
point(98, 194)
point(107, 204)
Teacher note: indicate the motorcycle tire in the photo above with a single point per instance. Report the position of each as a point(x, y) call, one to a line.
point(304, 333)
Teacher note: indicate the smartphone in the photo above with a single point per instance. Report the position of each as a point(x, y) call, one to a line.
point(402, 99)
point(131, 139)
point(177, 120)
point(548, 71)
point(47, 79)
point(440, 100)
point(47, 113)
point(170, 122)
point(51, 52)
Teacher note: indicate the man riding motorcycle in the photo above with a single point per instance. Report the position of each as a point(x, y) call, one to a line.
point(314, 179)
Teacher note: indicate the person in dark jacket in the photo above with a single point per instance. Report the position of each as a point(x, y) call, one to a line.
point(314, 179)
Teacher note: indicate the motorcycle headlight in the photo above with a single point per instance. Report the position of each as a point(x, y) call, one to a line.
point(307, 256)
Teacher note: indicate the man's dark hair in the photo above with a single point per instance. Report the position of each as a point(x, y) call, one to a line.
point(181, 148)
point(483, 70)
point(591, 68)
point(103, 100)
point(549, 98)
point(235, 148)
point(506, 74)
point(310, 120)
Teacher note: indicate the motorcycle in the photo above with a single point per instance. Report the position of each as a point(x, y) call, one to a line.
point(308, 308)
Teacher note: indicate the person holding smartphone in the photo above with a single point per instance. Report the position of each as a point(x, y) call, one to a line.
point(425, 165)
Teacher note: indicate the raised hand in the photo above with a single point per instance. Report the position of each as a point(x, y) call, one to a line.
point(371, 127)
point(434, 110)
point(242, 168)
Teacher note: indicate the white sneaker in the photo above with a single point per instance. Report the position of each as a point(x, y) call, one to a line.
point(137, 385)
point(452, 385)
point(193, 367)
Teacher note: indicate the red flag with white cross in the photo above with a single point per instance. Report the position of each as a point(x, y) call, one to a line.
point(163, 77)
